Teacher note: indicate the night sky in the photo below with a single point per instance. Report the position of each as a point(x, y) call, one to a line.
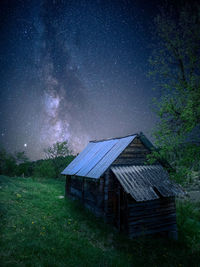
point(74, 70)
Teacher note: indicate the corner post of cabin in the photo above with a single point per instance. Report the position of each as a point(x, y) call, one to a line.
point(119, 206)
point(83, 195)
point(106, 185)
point(127, 213)
point(67, 186)
point(173, 233)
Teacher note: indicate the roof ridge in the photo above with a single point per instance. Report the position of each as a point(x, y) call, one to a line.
point(112, 138)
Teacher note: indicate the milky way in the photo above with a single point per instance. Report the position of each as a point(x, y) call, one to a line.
point(74, 70)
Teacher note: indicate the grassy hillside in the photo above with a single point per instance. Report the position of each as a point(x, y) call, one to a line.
point(40, 228)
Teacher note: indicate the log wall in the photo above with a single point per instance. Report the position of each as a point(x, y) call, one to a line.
point(135, 154)
point(111, 198)
point(151, 217)
point(88, 191)
point(105, 197)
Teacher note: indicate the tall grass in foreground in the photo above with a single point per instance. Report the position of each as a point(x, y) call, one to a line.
point(38, 228)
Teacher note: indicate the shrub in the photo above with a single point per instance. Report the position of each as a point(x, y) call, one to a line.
point(188, 220)
point(25, 169)
point(45, 169)
point(8, 164)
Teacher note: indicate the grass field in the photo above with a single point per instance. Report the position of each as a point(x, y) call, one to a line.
point(38, 228)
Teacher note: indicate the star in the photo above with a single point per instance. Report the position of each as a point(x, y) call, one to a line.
point(77, 72)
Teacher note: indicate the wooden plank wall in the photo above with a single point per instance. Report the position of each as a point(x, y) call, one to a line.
point(100, 196)
point(110, 197)
point(151, 216)
point(93, 197)
point(106, 198)
point(135, 153)
point(88, 191)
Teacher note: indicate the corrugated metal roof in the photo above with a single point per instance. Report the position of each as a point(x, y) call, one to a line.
point(142, 182)
point(95, 159)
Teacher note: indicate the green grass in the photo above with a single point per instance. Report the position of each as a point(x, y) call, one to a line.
point(40, 229)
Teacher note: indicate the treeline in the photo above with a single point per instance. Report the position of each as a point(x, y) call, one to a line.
point(17, 164)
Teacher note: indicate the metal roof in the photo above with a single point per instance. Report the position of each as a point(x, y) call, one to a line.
point(95, 159)
point(146, 182)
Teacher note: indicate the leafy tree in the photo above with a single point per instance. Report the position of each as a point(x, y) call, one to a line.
point(14, 164)
point(59, 149)
point(21, 157)
point(8, 164)
point(176, 71)
point(59, 153)
point(61, 163)
point(25, 169)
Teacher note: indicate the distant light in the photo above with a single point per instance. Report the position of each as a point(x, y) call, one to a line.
point(25, 145)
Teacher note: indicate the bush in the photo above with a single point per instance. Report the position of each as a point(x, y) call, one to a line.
point(25, 169)
point(60, 163)
point(8, 164)
point(188, 220)
point(18, 165)
point(45, 169)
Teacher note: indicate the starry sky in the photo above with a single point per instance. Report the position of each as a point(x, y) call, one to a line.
point(74, 70)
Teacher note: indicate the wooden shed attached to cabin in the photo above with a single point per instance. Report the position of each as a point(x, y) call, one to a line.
point(111, 179)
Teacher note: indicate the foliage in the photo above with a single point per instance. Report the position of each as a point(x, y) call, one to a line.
point(188, 220)
point(59, 149)
point(21, 157)
point(18, 163)
point(58, 152)
point(45, 169)
point(36, 222)
point(176, 71)
point(25, 169)
point(8, 164)
point(60, 163)
point(51, 167)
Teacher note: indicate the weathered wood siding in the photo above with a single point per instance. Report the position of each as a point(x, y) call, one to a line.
point(151, 217)
point(135, 153)
point(76, 188)
point(111, 197)
point(89, 192)
point(100, 196)
point(137, 218)
point(93, 196)
point(105, 197)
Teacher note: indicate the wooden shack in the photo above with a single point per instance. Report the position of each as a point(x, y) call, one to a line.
point(111, 179)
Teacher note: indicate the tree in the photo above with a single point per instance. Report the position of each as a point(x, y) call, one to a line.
point(21, 157)
point(25, 169)
point(45, 169)
point(176, 70)
point(59, 153)
point(8, 164)
point(59, 149)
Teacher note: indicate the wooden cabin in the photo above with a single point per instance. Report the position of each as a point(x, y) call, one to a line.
point(111, 179)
